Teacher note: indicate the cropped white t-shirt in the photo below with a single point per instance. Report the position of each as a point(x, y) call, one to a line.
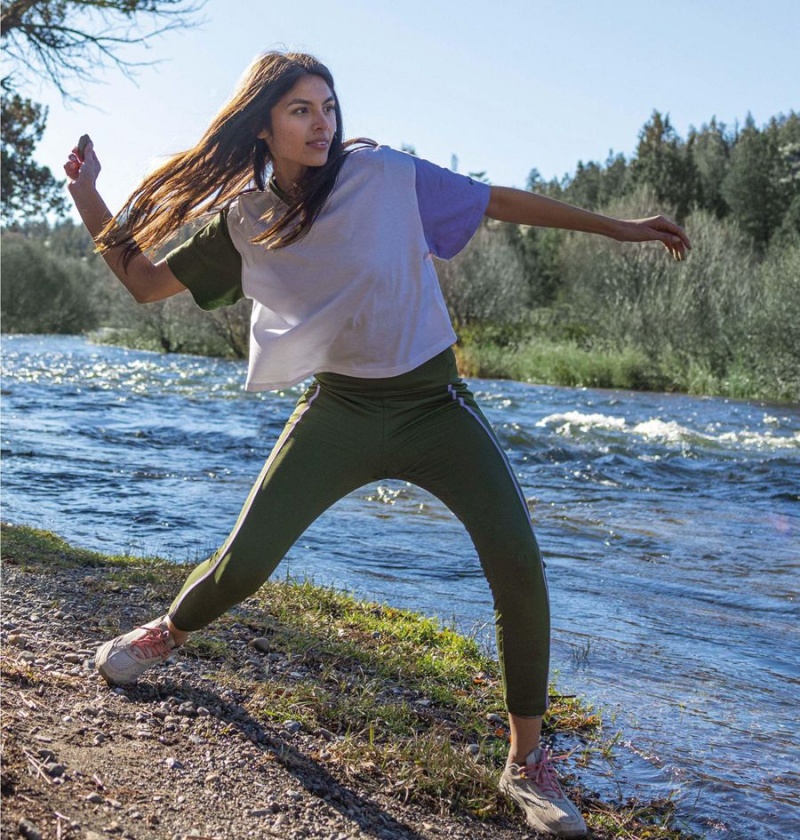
point(358, 295)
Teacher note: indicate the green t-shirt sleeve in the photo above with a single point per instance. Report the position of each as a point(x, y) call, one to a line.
point(209, 265)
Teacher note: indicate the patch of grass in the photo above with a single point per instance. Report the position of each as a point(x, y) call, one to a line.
point(32, 547)
point(563, 363)
point(579, 364)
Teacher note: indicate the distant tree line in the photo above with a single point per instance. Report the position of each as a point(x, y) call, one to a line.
point(542, 304)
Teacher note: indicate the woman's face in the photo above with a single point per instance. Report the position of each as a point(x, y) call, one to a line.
point(303, 126)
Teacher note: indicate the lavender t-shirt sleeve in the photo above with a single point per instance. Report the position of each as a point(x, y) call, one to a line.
point(451, 207)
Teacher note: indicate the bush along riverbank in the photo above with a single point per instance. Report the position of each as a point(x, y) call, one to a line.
point(302, 713)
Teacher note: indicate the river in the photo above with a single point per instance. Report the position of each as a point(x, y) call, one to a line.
point(670, 526)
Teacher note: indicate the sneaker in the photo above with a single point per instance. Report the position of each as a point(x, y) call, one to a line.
point(535, 788)
point(123, 659)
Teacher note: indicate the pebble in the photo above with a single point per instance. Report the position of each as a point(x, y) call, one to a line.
point(187, 709)
point(173, 763)
point(94, 798)
point(28, 830)
point(292, 726)
point(262, 644)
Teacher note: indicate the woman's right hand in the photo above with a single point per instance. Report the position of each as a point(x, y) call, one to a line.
point(82, 172)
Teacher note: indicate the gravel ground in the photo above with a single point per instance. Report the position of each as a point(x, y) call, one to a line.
point(180, 754)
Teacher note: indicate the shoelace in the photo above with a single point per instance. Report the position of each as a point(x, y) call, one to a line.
point(543, 776)
point(153, 644)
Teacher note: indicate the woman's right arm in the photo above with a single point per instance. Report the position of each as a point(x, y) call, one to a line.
point(145, 280)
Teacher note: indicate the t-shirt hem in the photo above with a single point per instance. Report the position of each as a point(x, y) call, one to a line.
point(359, 373)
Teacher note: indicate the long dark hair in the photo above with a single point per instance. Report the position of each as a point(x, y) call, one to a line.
point(227, 160)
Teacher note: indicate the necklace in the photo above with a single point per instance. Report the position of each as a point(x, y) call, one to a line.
point(282, 195)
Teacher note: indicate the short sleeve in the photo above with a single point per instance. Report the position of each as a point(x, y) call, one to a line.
point(209, 265)
point(451, 207)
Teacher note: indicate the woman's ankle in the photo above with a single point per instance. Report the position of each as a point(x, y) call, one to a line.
point(178, 636)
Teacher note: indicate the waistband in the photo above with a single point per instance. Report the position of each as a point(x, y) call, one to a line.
point(436, 373)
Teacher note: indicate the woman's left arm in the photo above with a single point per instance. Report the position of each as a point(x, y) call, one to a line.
point(526, 208)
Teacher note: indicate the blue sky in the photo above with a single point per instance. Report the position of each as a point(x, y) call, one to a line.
point(505, 86)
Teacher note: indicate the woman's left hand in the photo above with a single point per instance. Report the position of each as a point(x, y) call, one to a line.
point(659, 229)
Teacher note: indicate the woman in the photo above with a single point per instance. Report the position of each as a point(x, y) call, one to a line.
point(335, 250)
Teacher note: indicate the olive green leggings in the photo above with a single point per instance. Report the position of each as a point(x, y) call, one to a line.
point(423, 427)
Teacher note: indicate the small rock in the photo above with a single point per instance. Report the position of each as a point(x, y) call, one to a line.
point(55, 770)
point(261, 644)
point(74, 658)
point(94, 798)
point(495, 720)
point(187, 709)
point(28, 830)
point(173, 763)
point(260, 812)
point(292, 726)
point(17, 639)
point(202, 711)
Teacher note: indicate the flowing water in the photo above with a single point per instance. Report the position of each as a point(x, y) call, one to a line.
point(670, 526)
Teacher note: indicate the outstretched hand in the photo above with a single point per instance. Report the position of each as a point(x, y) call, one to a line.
point(658, 229)
point(82, 171)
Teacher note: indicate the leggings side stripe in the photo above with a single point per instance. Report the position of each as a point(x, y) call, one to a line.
point(456, 398)
point(281, 442)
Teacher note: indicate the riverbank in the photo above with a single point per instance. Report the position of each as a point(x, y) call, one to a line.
point(547, 362)
point(359, 720)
